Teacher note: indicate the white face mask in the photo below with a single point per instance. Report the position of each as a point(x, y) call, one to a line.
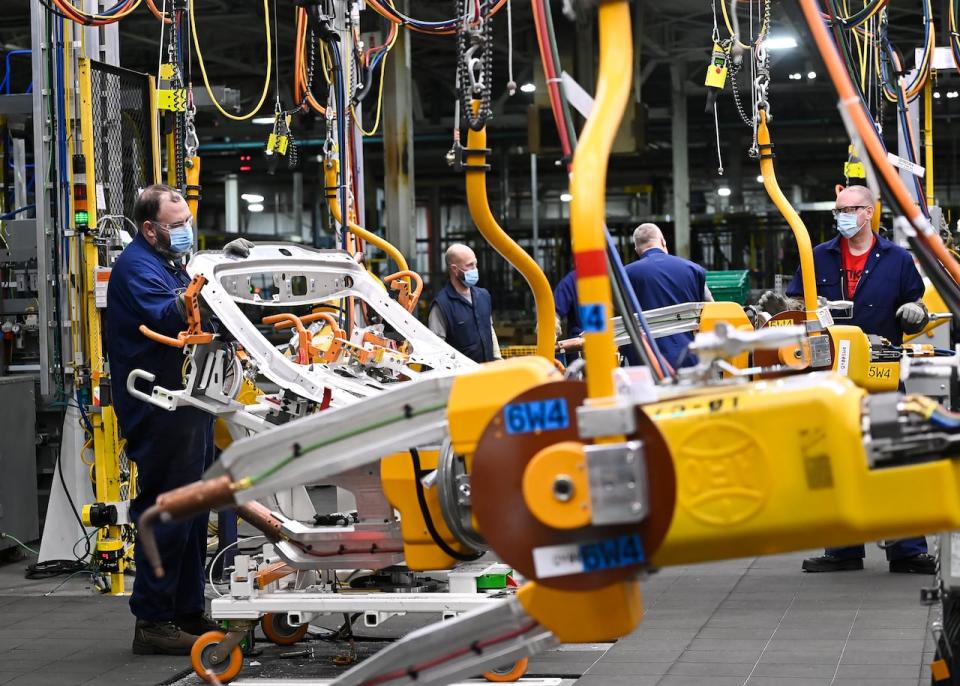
point(847, 225)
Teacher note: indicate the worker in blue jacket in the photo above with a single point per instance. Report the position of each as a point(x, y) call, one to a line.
point(170, 449)
point(462, 312)
point(660, 279)
point(882, 280)
point(566, 306)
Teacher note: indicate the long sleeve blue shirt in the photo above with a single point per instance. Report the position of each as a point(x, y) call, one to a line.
point(143, 289)
point(890, 279)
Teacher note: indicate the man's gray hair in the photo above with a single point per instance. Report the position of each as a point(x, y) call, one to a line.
point(646, 234)
point(866, 194)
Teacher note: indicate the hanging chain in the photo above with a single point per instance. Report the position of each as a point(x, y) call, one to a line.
point(760, 80)
point(179, 108)
point(734, 69)
point(474, 63)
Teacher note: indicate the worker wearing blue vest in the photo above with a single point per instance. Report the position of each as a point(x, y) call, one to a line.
point(882, 280)
point(170, 449)
point(462, 313)
point(660, 279)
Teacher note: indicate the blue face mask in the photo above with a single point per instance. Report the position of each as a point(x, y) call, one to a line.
point(471, 277)
point(847, 225)
point(181, 238)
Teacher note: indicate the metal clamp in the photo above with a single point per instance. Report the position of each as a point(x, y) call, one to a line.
point(613, 420)
point(617, 475)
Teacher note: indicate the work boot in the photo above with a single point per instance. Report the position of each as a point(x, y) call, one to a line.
point(196, 624)
point(918, 564)
point(161, 638)
point(830, 563)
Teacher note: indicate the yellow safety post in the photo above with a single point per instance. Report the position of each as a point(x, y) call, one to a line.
point(928, 138)
point(476, 173)
point(105, 436)
point(588, 185)
point(154, 130)
point(193, 186)
point(331, 169)
point(800, 233)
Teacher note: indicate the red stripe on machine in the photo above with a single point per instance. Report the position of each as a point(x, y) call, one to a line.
point(590, 263)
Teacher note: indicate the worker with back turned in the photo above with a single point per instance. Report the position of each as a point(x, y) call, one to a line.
point(170, 449)
point(462, 312)
point(882, 280)
point(660, 279)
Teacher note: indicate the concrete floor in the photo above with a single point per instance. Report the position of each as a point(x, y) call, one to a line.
point(756, 621)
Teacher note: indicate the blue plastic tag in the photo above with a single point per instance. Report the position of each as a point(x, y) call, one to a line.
point(583, 558)
point(611, 553)
point(592, 319)
point(539, 415)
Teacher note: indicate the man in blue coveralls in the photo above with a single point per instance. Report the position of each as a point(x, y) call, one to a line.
point(882, 280)
point(660, 279)
point(170, 449)
point(462, 312)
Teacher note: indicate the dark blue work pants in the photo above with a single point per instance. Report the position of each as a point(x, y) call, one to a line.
point(896, 550)
point(171, 449)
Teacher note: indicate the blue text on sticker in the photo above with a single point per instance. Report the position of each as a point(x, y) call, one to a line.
point(611, 553)
point(539, 415)
point(592, 318)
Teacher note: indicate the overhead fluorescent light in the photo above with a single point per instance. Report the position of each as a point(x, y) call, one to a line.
point(759, 179)
point(252, 197)
point(565, 197)
point(528, 87)
point(795, 76)
point(811, 75)
point(256, 207)
point(262, 120)
point(780, 43)
point(723, 191)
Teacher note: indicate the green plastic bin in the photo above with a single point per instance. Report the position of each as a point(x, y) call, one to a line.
point(729, 286)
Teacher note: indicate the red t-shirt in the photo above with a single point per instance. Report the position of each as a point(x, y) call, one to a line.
point(853, 265)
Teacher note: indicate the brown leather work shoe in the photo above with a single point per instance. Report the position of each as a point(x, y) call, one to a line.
point(161, 638)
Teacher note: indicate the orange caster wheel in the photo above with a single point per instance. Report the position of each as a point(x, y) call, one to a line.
point(203, 659)
point(509, 673)
point(278, 629)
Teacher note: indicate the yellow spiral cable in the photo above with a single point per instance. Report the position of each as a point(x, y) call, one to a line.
point(203, 69)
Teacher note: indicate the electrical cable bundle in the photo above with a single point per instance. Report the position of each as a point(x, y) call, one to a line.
point(953, 9)
point(303, 69)
point(66, 10)
point(915, 86)
point(486, 8)
point(937, 263)
point(909, 135)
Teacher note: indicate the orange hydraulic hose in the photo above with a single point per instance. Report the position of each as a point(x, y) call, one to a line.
point(300, 86)
point(850, 102)
point(303, 353)
point(588, 183)
point(331, 168)
point(495, 235)
point(800, 234)
point(151, 5)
